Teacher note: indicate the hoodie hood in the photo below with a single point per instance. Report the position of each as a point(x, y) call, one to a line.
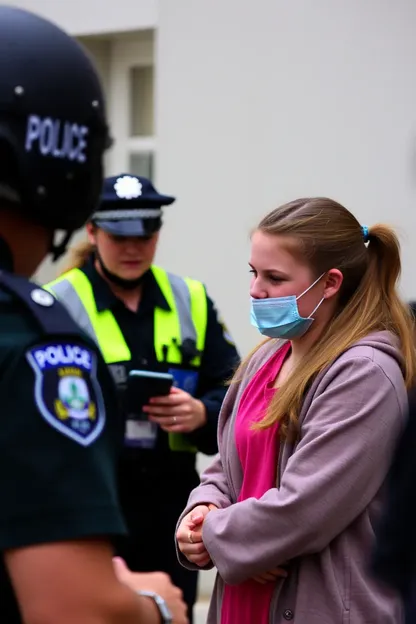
point(385, 342)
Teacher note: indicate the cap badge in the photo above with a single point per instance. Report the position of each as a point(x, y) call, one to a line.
point(128, 187)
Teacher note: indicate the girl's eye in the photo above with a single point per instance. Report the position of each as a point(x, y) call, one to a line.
point(275, 279)
point(252, 271)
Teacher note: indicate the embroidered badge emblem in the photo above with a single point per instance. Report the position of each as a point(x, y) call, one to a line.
point(67, 393)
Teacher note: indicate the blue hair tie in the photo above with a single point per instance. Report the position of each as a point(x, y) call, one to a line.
point(366, 233)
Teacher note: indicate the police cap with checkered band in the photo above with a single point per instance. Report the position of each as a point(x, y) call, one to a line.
point(130, 206)
point(53, 129)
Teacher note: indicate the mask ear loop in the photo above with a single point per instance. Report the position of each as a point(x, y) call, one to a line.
point(311, 286)
point(313, 311)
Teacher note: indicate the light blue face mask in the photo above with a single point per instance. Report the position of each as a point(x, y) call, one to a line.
point(279, 317)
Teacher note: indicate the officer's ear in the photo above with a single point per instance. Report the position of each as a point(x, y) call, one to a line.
point(91, 233)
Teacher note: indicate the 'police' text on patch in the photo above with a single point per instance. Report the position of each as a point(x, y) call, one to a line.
point(67, 393)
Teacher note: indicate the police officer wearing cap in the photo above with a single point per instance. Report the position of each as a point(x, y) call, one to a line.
point(145, 318)
point(60, 433)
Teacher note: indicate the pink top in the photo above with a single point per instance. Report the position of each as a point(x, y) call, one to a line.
point(258, 453)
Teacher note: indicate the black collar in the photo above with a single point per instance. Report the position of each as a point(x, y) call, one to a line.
point(105, 299)
point(6, 258)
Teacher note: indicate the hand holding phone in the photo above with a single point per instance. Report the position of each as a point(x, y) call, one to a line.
point(142, 386)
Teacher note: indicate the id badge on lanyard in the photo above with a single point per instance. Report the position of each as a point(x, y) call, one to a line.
point(140, 434)
point(137, 433)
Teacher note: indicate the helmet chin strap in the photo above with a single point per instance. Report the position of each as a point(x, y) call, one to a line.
point(125, 284)
point(57, 250)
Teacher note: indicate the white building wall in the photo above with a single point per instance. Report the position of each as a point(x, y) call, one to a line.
point(91, 17)
point(258, 103)
point(263, 102)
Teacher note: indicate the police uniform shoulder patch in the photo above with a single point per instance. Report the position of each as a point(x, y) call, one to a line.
point(67, 392)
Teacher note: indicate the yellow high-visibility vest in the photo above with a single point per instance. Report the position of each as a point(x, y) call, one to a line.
point(186, 318)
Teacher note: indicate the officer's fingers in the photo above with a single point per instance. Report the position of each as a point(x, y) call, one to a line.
point(165, 411)
point(176, 390)
point(163, 403)
point(169, 399)
point(172, 419)
point(157, 408)
point(175, 428)
point(161, 418)
point(120, 568)
point(178, 393)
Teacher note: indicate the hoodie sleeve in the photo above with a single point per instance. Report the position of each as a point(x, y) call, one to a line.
point(336, 470)
point(213, 490)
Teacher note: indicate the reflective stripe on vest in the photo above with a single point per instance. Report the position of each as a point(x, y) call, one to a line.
point(187, 318)
point(75, 292)
point(190, 321)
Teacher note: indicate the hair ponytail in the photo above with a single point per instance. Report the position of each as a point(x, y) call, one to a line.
point(379, 286)
point(384, 258)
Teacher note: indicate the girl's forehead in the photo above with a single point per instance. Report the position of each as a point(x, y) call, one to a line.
point(274, 251)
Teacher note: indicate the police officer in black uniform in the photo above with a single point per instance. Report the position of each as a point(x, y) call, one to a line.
point(133, 308)
point(59, 430)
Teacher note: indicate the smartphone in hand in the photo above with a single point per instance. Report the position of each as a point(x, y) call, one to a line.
point(142, 386)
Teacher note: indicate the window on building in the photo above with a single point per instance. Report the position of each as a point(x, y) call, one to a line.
point(141, 101)
point(131, 99)
point(142, 141)
point(142, 164)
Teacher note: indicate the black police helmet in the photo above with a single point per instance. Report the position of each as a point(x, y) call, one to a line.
point(52, 122)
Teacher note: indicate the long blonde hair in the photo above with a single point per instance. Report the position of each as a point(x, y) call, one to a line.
point(329, 236)
point(78, 256)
